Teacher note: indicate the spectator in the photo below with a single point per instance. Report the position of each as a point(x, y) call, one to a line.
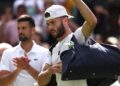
point(22, 64)
point(8, 27)
point(4, 46)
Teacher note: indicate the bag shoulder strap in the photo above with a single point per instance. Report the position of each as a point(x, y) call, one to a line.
point(74, 39)
point(52, 46)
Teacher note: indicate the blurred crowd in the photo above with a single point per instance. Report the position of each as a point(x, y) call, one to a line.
point(106, 11)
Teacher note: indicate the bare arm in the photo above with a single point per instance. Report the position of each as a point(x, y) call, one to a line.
point(45, 76)
point(34, 73)
point(7, 78)
point(90, 19)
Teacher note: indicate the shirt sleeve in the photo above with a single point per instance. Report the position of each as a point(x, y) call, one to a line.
point(5, 61)
point(46, 59)
point(79, 35)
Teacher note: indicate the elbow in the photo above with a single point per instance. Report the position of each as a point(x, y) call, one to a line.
point(41, 80)
point(44, 77)
point(93, 23)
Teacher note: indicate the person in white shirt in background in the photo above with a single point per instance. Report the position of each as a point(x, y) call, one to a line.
point(57, 20)
point(3, 47)
point(21, 64)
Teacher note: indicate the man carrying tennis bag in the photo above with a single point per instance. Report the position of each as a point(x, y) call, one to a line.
point(90, 61)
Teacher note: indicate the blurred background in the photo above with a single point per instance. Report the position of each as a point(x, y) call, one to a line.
point(106, 11)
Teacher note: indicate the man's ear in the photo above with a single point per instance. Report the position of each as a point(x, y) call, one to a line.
point(33, 30)
point(65, 22)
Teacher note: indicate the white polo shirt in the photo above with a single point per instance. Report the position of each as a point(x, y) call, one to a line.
point(37, 55)
point(59, 48)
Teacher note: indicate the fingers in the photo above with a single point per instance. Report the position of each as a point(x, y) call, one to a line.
point(19, 59)
point(15, 61)
point(56, 70)
point(26, 57)
point(21, 62)
point(57, 67)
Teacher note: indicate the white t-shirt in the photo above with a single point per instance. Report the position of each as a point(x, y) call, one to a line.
point(116, 84)
point(38, 57)
point(59, 48)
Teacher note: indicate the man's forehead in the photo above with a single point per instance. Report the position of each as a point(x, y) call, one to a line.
point(54, 20)
point(23, 23)
point(51, 20)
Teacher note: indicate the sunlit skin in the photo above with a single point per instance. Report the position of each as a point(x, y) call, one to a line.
point(53, 26)
point(58, 27)
point(24, 31)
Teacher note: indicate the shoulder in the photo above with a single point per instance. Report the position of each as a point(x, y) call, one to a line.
point(41, 49)
point(79, 35)
point(78, 30)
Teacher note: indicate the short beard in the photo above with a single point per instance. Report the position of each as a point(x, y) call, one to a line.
point(60, 32)
point(23, 39)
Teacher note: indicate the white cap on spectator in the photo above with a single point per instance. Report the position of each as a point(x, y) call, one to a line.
point(56, 11)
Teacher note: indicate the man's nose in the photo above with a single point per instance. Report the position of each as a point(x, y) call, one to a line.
point(50, 27)
point(20, 30)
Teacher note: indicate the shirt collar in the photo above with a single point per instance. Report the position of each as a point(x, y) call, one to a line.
point(33, 49)
point(67, 38)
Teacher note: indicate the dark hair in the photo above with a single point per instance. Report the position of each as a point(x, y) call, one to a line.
point(28, 19)
point(47, 14)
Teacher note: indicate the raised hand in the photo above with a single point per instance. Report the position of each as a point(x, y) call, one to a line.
point(57, 68)
point(22, 62)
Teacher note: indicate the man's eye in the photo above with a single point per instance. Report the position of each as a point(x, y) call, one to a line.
point(47, 24)
point(52, 23)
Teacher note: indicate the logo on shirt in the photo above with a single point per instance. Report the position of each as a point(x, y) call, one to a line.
point(35, 59)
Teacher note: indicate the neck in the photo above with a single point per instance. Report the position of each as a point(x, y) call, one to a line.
point(65, 35)
point(27, 45)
